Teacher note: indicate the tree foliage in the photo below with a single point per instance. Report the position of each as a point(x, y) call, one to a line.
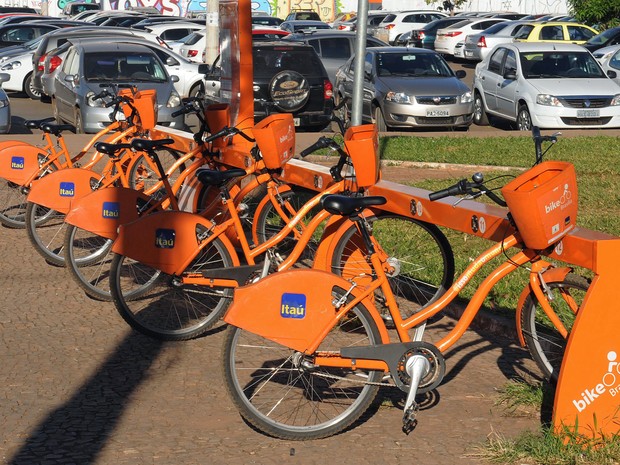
point(602, 14)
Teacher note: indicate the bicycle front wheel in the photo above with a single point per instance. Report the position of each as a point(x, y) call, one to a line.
point(143, 173)
point(88, 258)
point(46, 231)
point(160, 305)
point(418, 252)
point(283, 394)
point(543, 340)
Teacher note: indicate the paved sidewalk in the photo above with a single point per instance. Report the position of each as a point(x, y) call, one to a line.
point(79, 387)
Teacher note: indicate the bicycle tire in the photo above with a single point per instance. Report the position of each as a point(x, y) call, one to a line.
point(419, 252)
point(46, 232)
point(167, 310)
point(269, 223)
point(285, 399)
point(143, 173)
point(545, 343)
point(12, 205)
point(88, 258)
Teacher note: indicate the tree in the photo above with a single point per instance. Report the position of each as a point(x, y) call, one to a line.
point(447, 5)
point(602, 14)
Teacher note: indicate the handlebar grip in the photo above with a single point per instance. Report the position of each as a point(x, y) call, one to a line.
point(224, 132)
point(458, 188)
point(495, 198)
point(322, 143)
point(181, 111)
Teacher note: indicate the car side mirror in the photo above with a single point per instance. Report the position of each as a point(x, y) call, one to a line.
point(204, 68)
point(171, 62)
point(460, 73)
point(72, 78)
point(610, 73)
point(510, 74)
point(174, 78)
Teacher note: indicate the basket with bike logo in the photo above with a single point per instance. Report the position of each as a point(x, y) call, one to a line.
point(145, 103)
point(543, 203)
point(362, 144)
point(275, 137)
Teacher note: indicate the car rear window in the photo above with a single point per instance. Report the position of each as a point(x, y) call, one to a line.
point(268, 62)
point(133, 67)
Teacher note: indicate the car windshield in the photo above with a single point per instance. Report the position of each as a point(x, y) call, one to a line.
point(537, 65)
point(138, 67)
point(268, 62)
point(412, 65)
point(603, 37)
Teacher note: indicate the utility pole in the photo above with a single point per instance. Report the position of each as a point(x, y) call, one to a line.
point(212, 46)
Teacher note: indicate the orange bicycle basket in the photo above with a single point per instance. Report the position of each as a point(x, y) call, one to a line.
point(362, 144)
point(543, 203)
point(145, 102)
point(275, 137)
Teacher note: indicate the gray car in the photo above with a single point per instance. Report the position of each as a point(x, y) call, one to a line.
point(5, 107)
point(409, 87)
point(88, 65)
point(478, 46)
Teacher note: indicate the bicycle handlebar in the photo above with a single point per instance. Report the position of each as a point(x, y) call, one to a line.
point(322, 143)
point(475, 188)
point(228, 131)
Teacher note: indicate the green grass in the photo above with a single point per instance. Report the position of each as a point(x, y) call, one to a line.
point(518, 394)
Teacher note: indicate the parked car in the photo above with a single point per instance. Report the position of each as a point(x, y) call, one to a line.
point(333, 47)
point(88, 65)
point(609, 59)
point(288, 78)
point(268, 33)
point(173, 30)
point(56, 38)
point(342, 22)
point(424, 37)
point(299, 25)
point(73, 8)
point(555, 32)
point(408, 88)
point(5, 108)
point(395, 24)
point(478, 46)
point(447, 38)
point(303, 15)
point(374, 19)
point(545, 85)
point(604, 39)
point(194, 45)
point(271, 21)
point(19, 69)
point(15, 34)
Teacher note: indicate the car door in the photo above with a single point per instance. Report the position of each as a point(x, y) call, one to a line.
point(507, 90)
point(490, 78)
point(64, 94)
point(369, 87)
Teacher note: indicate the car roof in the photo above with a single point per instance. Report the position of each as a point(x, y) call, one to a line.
point(414, 50)
point(547, 47)
point(99, 46)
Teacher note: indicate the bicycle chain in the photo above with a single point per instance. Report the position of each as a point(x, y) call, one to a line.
point(371, 383)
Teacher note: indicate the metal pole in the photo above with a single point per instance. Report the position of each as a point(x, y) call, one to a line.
point(212, 46)
point(358, 65)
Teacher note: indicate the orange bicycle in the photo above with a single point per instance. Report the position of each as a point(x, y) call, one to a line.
point(307, 350)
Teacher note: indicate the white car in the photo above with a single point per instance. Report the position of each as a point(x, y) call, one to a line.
point(609, 59)
point(194, 46)
point(19, 68)
point(546, 85)
point(478, 46)
point(173, 30)
point(447, 38)
point(397, 23)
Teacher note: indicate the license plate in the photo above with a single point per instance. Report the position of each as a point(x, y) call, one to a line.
point(468, 53)
point(588, 113)
point(435, 113)
point(296, 121)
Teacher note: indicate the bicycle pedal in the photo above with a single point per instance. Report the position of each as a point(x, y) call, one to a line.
point(409, 420)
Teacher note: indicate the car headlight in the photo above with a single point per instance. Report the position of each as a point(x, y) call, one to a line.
point(616, 100)
point(92, 102)
point(549, 100)
point(397, 97)
point(174, 100)
point(10, 66)
point(467, 97)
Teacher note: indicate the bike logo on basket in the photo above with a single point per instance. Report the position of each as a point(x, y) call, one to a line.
point(17, 163)
point(609, 381)
point(164, 238)
point(561, 203)
point(293, 306)
point(67, 189)
point(111, 210)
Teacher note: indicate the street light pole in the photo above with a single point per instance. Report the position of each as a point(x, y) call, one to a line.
point(358, 65)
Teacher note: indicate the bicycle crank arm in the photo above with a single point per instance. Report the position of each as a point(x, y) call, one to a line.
point(240, 274)
point(417, 367)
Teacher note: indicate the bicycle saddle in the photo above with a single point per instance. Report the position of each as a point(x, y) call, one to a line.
point(110, 149)
point(37, 123)
point(148, 144)
point(56, 129)
point(346, 206)
point(217, 178)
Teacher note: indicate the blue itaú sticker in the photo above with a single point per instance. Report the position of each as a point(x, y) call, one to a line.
point(293, 306)
point(111, 210)
point(164, 238)
point(17, 163)
point(67, 189)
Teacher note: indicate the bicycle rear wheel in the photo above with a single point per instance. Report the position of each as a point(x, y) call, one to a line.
point(284, 395)
point(143, 173)
point(419, 253)
point(46, 231)
point(543, 340)
point(160, 305)
point(12, 205)
point(88, 258)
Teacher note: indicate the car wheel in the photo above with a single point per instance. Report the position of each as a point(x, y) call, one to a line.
point(197, 90)
point(79, 126)
point(380, 120)
point(30, 90)
point(524, 120)
point(480, 115)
